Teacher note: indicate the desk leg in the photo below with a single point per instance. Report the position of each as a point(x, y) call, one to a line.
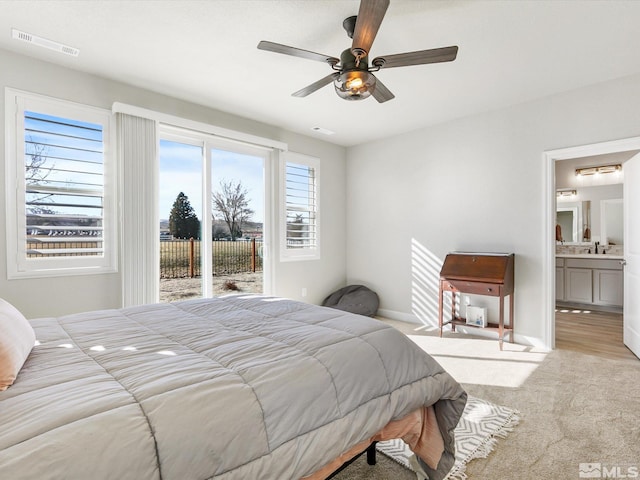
point(440, 312)
point(511, 322)
point(501, 324)
point(453, 310)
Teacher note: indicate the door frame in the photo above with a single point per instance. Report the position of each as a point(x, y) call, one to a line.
point(207, 142)
point(548, 236)
point(269, 165)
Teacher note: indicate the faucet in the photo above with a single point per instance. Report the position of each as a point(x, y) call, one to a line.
point(597, 243)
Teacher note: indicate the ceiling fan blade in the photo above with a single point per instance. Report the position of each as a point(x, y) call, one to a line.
point(296, 52)
point(382, 93)
point(316, 85)
point(369, 19)
point(421, 57)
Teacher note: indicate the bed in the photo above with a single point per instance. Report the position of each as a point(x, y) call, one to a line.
point(232, 387)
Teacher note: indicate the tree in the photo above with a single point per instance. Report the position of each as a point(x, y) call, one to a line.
point(35, 169)
point(36, 173)
point(232, 203)
point(183, 221)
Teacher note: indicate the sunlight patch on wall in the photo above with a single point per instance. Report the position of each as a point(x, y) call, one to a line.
point(425, 284)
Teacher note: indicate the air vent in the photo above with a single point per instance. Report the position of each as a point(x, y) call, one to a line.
point(324, 131)
point(43, 42)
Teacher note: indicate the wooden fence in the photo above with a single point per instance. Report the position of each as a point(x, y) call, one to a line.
point(181, 258)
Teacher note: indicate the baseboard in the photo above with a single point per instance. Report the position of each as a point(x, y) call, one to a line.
point(400, 316)
point(524, 340)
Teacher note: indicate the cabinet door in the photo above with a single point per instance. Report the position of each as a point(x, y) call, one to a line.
point(559, 283)
point(607, 287)
point(578, 285)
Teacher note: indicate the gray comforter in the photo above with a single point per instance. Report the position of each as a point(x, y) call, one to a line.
point(238, 387)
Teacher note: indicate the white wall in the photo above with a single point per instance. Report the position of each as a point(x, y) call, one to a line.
point(473, 184)
point(42, 297)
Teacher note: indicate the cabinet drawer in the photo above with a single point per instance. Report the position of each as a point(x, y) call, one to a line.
point(477, 288)
point(593, 263)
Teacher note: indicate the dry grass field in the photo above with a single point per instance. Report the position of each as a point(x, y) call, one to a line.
point(173, 289)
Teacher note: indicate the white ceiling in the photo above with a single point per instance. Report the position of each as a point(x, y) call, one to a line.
point(205, 52)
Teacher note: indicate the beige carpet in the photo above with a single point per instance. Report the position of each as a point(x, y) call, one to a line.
point(574, 408)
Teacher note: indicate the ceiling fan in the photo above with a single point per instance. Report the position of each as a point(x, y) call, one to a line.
point(353, 77)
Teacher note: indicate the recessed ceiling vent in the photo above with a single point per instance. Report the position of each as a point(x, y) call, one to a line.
point(324, 131)
point(43, 42)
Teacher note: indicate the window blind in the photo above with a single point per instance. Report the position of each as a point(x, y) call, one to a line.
point(301, 206)
point(64, 186)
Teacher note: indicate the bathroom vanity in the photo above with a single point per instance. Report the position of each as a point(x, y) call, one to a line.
point(589, 279)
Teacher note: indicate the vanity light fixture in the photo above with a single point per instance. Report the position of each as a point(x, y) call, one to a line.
point(602, 169)
point(566, 193)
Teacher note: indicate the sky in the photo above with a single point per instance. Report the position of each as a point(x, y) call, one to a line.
point(181, 171)
point(180, 165)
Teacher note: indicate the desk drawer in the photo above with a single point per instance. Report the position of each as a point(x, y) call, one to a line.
point(477, 288)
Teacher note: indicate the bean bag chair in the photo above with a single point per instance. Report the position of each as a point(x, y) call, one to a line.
point(355, 299)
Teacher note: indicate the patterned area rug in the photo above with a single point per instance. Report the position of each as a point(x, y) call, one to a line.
point(481, 424)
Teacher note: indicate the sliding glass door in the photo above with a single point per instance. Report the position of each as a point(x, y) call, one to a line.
point(180, 208)
point(237, 203)
point(212, 204)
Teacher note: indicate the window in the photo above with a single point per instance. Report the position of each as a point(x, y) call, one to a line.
point(60, 188)
point(300, 232)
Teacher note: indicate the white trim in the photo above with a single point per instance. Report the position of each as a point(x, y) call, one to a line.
point(548, 228)
point(400, 316)
point(270, 222)
point(208, 143)
point(185, 123)
point(16, 102)
point(298, 254)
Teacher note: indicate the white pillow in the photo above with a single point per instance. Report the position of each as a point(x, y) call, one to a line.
point(16, 341)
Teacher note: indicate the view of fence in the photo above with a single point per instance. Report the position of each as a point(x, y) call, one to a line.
point(181, 258)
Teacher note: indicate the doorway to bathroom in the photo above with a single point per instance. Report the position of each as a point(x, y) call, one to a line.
point(587, 290)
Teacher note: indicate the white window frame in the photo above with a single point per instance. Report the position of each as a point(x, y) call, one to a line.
point(18, 264)
point(288, 254)
point(210, 142)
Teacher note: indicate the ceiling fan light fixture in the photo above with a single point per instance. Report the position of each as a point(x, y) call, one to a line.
point(355, 84)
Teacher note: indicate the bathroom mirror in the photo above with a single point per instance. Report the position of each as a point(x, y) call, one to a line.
point(574, 221)
point(611, 222)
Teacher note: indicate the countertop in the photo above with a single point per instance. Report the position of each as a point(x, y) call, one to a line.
point(591, 256)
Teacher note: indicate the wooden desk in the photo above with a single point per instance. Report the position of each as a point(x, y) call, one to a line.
point(478, 274)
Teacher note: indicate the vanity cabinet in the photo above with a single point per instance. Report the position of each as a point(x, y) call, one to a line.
point(578, 285)
point(607, 287)
point(559, 278)
point(593, 281)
